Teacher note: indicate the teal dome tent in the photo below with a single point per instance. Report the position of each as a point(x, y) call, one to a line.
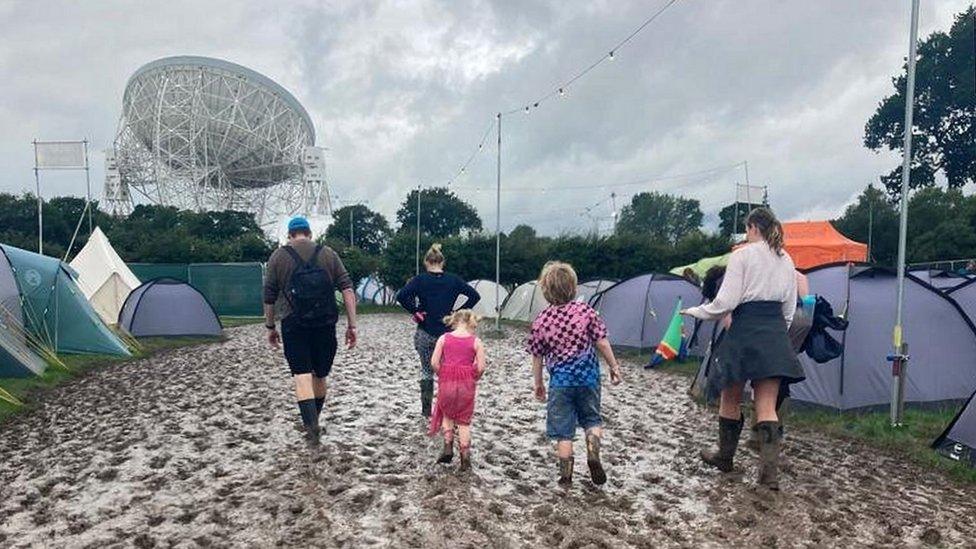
point(53, 307)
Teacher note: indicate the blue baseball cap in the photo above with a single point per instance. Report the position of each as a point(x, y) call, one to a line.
point(298, 223)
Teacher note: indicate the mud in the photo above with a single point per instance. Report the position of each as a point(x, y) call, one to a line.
point(198, 447)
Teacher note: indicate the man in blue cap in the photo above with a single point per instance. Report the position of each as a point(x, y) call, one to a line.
point(300, 282)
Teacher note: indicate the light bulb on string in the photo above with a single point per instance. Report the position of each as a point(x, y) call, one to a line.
point(526, 109)
point(562, 92)
point(611, 55)
point(536, 104)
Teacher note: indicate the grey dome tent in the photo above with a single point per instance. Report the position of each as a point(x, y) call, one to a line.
point(965, 296)
point(637, 310)
point(941, 279)
point(586, 290)
point(942, 342)
point(525, 302)
point(958, 441)
point(168, 307)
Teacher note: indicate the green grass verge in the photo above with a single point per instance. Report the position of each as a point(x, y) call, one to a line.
point(912, 441)
point(235, 321)
point(28, 389)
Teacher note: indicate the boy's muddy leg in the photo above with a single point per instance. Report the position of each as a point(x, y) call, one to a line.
point(447, 454)
point(564, 449)
point(593, 436)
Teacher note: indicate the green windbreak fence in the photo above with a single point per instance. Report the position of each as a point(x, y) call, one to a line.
point(234, 289)
point(149, 271)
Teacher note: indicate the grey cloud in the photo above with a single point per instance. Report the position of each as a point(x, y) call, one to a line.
point(401, 91)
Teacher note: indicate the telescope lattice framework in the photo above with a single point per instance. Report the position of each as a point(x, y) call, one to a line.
point(205, 134)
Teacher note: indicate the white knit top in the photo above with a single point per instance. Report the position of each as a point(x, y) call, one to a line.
point(755, 273)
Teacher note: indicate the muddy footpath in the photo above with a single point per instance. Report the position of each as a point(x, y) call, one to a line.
point(199, 447)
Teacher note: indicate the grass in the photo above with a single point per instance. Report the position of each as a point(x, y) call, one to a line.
point(912, 441)
point(28, 389)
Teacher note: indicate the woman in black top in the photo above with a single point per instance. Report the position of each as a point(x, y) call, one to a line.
point(429, 297)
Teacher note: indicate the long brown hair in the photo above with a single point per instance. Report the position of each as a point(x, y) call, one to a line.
point(764, 220)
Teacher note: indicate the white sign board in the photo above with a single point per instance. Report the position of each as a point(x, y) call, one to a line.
point(60, 155)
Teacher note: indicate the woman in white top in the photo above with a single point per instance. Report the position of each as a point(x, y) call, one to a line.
point(759, 289)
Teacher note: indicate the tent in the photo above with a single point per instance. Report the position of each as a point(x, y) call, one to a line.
point(371, 290)
point(637, 311)
point(168, 307)
point(958, 441)
point(525, 302)
point(702, 266)
point(943, 280)
point(486, 307)
point(814, 243)
point(942, 342)
point(965, 295)
point(586, 290)
point(16, 357)
point(53, 309)
point(103, 277)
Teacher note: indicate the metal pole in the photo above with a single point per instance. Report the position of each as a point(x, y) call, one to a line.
point(870, 229)
point(498, 225)
point(418, 230)
point(613, 206)
point(900, 362)
point(735, 220)
point(351, 242)
point(40, 216)
point(88, 196)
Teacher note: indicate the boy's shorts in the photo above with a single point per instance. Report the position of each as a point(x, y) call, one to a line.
point(569, 407)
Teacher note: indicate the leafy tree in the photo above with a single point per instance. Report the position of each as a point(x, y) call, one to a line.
point(442, 214)
point(873, 218)
point(660, 216)
point(358, 262)
point(944, 132)
point(727, 219)
point(370, 230)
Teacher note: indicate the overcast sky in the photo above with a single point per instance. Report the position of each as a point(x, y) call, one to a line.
point(401, 92)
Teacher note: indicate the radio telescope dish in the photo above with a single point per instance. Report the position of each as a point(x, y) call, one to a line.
point(205, 134)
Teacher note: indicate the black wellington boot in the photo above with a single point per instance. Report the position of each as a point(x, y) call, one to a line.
point(770, 435)
point(426, 396)
point(728, 439)
point(447, 453)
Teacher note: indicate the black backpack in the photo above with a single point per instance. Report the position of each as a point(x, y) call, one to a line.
point(310, 292)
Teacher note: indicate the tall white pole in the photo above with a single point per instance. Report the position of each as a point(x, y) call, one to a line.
point(88, 195)
point(900, 363)
point(418, 230)
point(498, 226)
point(40, 204)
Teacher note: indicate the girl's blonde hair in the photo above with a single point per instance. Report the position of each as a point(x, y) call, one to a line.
point(558, 281)
point(434, 256)
point(463, 316)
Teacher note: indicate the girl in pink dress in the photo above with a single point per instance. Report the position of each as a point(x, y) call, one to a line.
point(459, 361)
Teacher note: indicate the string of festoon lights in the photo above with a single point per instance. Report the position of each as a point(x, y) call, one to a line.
point(558, 91)
point(561, 90)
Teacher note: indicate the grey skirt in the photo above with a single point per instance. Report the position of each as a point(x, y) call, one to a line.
point(756, 346)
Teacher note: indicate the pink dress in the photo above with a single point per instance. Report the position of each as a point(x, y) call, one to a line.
point(455, 382)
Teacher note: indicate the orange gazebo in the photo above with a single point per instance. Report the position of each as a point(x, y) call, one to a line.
point(813, 243)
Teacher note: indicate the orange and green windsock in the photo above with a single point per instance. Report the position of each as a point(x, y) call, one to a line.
point(670, 345)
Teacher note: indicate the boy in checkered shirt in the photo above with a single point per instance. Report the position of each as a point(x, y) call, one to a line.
point(566, 338)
